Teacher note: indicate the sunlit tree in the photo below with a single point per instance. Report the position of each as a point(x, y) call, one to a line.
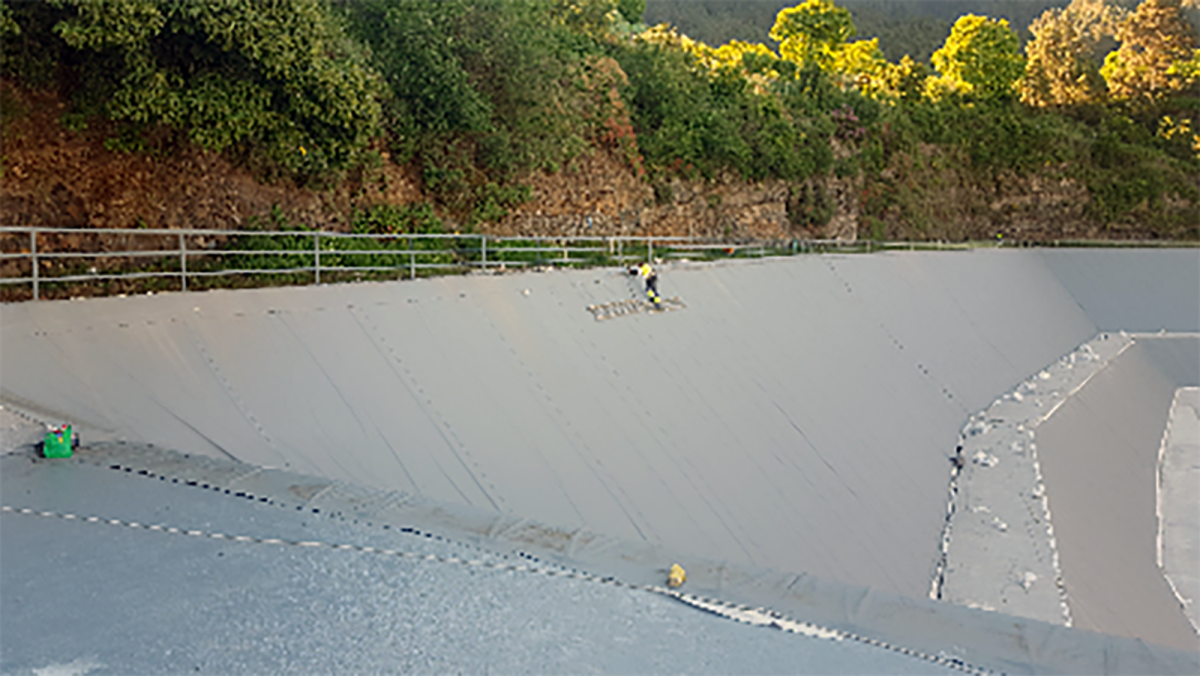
point(903, 81)
point(1062, 69)
point(816, 32)
point(733, 53)
point(981, 57)
point(812, 32)
point(731, 56)
point(860, 64)
point(1157, 44)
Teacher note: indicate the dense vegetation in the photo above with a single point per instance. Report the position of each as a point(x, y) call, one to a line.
point(913, 27)
point(476, 94)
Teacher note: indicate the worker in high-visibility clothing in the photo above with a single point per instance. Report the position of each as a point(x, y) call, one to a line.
point(646, 272)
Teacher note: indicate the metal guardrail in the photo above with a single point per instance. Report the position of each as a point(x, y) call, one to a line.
point(199, 254)
point(193, 254)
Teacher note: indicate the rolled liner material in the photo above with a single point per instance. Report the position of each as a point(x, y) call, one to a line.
point(799, 415)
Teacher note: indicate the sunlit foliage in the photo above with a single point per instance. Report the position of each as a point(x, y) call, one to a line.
point(812, 32)
point(1155, 42)
point(1062, 69)
point(981, 57)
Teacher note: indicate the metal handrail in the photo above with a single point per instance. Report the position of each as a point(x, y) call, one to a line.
point(489, 252)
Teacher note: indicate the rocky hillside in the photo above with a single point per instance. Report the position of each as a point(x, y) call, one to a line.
point(60, 177)
point(54, 176)
point(57, 177)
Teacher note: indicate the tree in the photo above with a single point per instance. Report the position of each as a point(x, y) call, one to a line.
point(815, 33)
point(8, 26)
point(30, 52)
point(632, 10)
point(593, 17)
point(1157, 43)
point(812, 32)
point(733, 53)
point(280, 82)
point(980, 57)
point(1061, 68)
point(430, 89)
point(707, 58)
point(860, 64)
point(904, 81)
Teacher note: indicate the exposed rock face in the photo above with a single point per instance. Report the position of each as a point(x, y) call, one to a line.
point(726, 209)
point(58, 178)
point(845, 192)
point(1040, 207)
point(934, 194)
point(602, 197)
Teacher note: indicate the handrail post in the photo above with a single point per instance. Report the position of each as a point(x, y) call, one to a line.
point(537, 241)
point(650, 249)
point(412, 259)
point(483, 248)
point(183, 260)
point(317, 256)
point(33, 257)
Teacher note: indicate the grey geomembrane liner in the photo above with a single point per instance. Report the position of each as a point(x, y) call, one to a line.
point(1000, 546)
point(1129, 290)
point(18, 430)
point(799, 415)
point(109, 572)
point(251, 507)
point(1178, 497)
point(1099, 454)
point(817, 396)
point(1000, 542)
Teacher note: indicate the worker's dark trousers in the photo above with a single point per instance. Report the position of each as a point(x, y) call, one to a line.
point(652, 286)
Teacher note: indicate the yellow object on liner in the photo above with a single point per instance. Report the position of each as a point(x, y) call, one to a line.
point(677, 576)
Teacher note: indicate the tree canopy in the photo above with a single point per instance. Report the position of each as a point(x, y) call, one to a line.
point(981, 57)
point(1061, 69)
point(477, 94)
point(1154, 39)
point(812, 32)
point(280, 81)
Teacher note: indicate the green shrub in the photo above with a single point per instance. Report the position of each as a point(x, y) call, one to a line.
point(418, 218)
point(478, 94)
point(278, 84)
point(694, 123)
